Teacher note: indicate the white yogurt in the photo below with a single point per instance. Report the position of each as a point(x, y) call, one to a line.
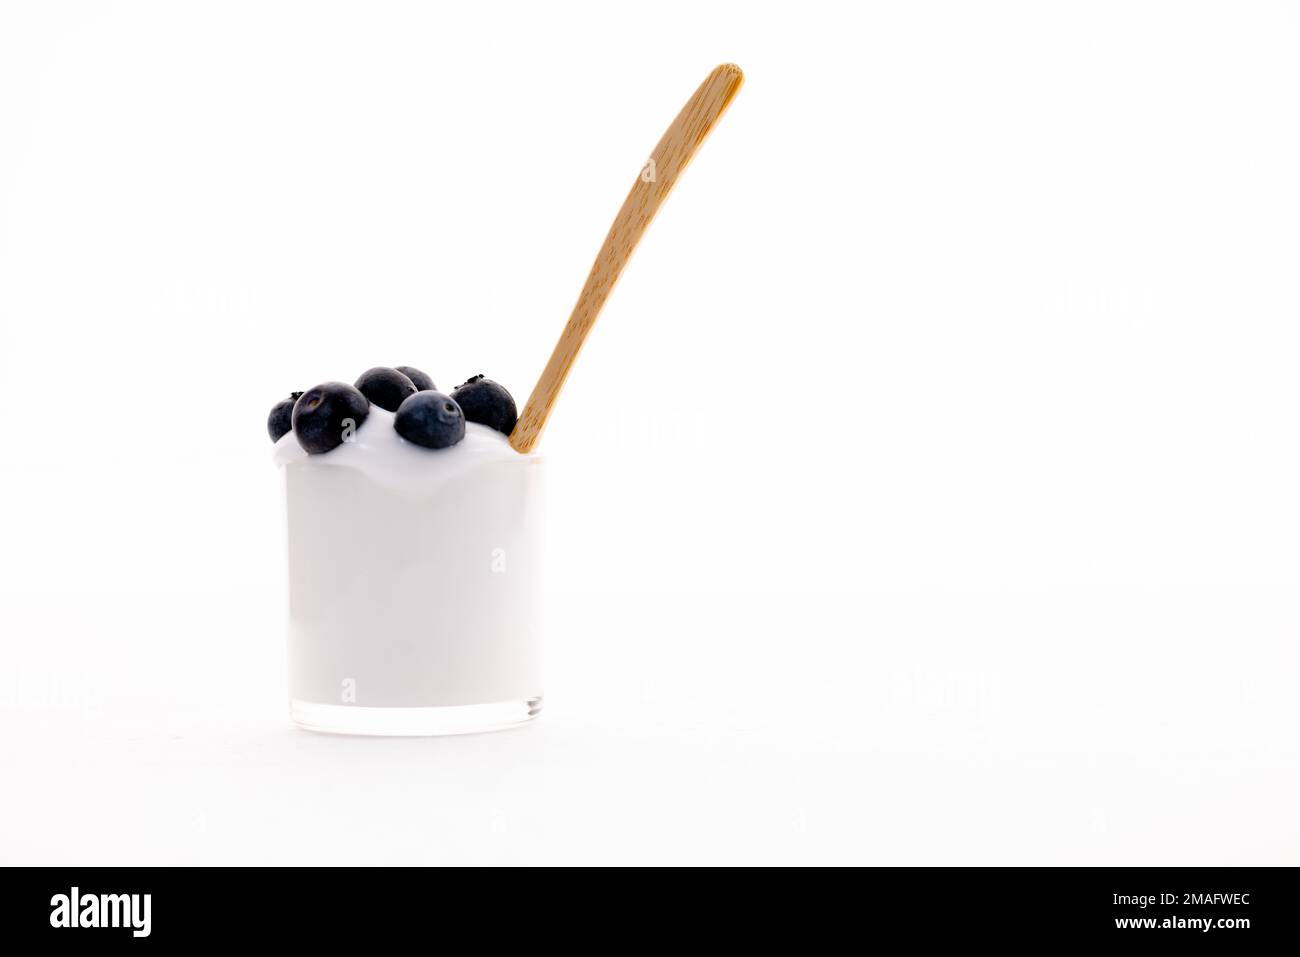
point(414, 582)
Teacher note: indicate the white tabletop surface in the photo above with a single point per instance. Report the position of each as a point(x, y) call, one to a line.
point(1086, 727)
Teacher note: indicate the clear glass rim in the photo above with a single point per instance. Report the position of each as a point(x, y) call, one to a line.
point(414, 722)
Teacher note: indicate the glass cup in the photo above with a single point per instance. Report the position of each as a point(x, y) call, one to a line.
point(415, 611)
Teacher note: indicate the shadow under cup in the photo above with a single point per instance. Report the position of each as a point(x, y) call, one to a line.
point(415, 612)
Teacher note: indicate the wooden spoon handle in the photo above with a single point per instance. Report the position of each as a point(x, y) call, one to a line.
point(649, 191)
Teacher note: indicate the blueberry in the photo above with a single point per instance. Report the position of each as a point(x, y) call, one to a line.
point(422, 382)
point(430, 419)
point(487, 403)
point(326, 416)
point(385, 387)
point(280, 422)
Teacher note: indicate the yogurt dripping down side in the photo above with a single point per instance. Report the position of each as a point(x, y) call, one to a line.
point(378, 452)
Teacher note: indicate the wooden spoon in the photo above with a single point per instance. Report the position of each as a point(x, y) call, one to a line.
point(649, 191)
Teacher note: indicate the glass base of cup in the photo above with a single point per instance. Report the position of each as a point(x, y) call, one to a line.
point(414, 722)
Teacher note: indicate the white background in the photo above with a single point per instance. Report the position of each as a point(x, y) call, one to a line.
point(928, 492)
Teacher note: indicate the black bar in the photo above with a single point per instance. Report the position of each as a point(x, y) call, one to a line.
point(1227, 908)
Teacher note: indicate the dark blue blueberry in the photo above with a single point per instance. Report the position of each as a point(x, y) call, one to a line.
point(326, 416)
point(280, 422)
point(385, 387)
point(430, 419)
point(422, 382)
point(487, 403)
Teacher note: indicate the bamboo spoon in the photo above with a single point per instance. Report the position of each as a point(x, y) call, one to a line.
point(649, 191)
